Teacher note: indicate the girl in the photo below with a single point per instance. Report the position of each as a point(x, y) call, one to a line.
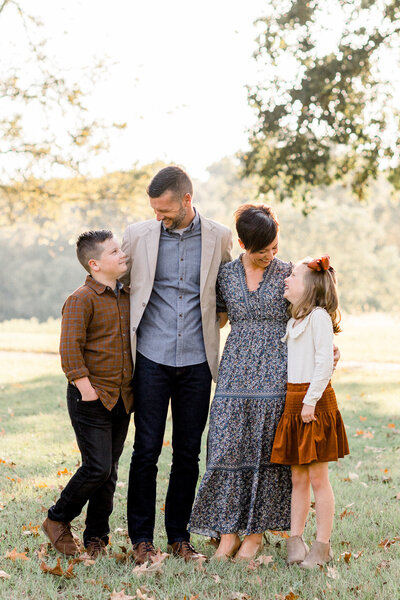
point(311, 431)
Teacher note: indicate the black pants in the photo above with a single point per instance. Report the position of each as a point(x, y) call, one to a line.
point(189, 390)
point(100, 434)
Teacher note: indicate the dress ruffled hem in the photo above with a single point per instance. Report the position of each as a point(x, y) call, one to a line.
point(299, 443)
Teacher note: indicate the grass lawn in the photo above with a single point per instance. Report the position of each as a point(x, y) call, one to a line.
point(37, 445)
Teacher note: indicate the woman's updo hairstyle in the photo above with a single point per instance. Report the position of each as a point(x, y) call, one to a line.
point(257, 226)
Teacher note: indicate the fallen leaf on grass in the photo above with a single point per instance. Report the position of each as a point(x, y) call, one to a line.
point(237, 596)
point(64, 472)
point(120, 595)
point(159, 556)
point(15, 480)
point(398, 496)
point(357, 555)
point(14, 555)
point(4, 575)
point(346, 557)
point(290, 596)
point(391, 425)
point(216, 578)
point(362, 418)
point(332, 573)
point(346, 513)
point(142, 594)
point(10, 411)
point(199, 563)
point(42, 552)
point(281, 534)
point(386, 543)
point(263, 559)
point(146, 568)
point(57, 570)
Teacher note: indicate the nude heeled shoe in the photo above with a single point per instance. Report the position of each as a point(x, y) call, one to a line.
point(248, 557)
point(227, 555)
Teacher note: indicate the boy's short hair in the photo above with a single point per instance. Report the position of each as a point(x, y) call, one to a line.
point(172, 179)
point(87, 245)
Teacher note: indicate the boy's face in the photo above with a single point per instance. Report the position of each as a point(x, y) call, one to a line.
point(112, 261)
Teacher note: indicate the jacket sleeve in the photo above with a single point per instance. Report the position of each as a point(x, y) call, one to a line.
point(76, 316)
point(227, 247)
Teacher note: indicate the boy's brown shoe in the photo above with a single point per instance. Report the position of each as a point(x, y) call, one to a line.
point(61, 537)
point(96, 547)
point(142, 552)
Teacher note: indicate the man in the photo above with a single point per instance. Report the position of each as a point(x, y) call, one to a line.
point(173, 265)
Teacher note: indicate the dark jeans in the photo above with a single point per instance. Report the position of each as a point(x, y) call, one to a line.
point(189, 390)
point(100, 434)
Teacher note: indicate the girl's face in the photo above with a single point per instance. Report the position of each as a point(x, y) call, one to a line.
point(294, 284)
point(263, 257)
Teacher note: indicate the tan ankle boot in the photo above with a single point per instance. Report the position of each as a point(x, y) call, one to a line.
point(319, 554)
point(297, 549)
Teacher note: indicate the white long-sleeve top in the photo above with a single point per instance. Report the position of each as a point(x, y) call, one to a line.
point(310, 353)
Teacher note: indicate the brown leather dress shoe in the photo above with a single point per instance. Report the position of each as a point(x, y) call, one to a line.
point(184, 549)
point(96, 547)
point(61, 537)
point(142, 552)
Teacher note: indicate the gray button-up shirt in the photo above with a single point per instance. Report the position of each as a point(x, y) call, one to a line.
point(170, 331)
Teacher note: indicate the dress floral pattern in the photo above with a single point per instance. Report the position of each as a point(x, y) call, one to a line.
point(242, 491)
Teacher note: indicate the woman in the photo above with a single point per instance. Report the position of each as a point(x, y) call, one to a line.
point(242, 493)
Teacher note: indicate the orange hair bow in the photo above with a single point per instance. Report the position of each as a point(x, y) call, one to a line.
point(319, 264)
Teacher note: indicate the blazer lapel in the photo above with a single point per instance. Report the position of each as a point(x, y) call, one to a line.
point(208, 240)
point(152, 244)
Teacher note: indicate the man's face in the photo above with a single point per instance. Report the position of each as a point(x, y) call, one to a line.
point(170, 209)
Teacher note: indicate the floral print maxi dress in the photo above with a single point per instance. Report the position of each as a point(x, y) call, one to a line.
point(241, 490)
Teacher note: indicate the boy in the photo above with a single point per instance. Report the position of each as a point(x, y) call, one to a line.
point(96, 359)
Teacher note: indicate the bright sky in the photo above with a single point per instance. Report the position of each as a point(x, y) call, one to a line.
point(178, 78)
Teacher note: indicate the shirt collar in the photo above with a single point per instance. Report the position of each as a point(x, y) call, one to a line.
point(100, 288)
point(190, 227)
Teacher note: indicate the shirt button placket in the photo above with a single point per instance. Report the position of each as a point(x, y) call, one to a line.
point(181, 265)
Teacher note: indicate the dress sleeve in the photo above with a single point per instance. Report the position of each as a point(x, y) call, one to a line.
point(322, 334)
point(221, 304)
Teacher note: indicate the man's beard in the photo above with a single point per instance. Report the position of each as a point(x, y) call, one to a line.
point(178, 220)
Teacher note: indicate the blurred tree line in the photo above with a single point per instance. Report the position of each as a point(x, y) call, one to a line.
point(38, 266)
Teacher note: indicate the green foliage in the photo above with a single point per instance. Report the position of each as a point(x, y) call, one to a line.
point(45, 127)
point(326, 107)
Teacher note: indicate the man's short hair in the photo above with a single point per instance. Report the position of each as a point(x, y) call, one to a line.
point(88, 245)
point(172, 179)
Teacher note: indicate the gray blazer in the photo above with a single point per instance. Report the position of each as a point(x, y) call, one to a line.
point(140, 244)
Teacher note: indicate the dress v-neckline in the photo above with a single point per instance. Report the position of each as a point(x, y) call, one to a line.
point(243, 272)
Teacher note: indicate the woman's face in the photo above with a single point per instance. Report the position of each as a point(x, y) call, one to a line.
point(294, 284)
point(264, 257)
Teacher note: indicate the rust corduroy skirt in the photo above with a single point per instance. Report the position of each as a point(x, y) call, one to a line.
point(298, 443)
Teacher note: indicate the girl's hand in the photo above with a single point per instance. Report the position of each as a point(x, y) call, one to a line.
point(307, 413)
